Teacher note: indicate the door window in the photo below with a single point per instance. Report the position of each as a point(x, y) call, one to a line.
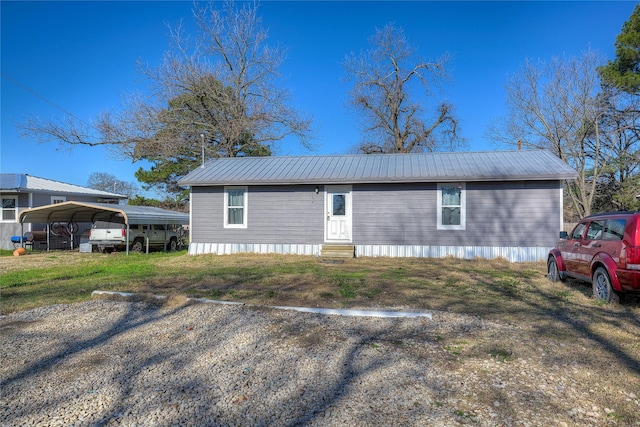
point(578, 232)
point(339, 205)
point(594, 232)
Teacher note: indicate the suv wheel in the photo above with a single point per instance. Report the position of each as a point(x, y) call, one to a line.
point(172, 246)
point(552, 271)
point(137, 245)
point(602, 290)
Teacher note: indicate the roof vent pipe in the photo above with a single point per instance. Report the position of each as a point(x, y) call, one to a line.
point(202, 139)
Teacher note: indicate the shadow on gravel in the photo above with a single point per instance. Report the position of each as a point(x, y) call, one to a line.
point(259, 366)
point(130, 320)
point(555, 312)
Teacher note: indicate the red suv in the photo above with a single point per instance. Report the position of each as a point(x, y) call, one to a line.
point(604, 250)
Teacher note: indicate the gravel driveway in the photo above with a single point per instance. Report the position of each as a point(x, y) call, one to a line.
point(109, 362)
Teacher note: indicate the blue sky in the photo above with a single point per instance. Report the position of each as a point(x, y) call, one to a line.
point(81, 56)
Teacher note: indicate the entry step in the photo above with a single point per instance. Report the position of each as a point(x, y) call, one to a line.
point(338, 251)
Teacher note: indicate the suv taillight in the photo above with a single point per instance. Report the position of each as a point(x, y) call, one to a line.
point(633, 257)
point(124, 232)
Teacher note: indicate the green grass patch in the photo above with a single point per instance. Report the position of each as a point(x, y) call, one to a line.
point(347, 287)
point(397, 274)
point(501, 354)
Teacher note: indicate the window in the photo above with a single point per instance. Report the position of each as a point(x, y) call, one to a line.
point(58, 199)
point(594, 232)
point(339, 205)
point(578, 231)
point(235, 207)
point(9, 212)
point(615, 229)
point(452, 210)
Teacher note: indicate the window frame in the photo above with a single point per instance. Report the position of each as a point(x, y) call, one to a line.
point(463, 206)
point(58, 199)
point(245, 201)
point(15, 209)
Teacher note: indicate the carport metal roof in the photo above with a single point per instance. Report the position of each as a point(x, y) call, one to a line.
point(90, 212)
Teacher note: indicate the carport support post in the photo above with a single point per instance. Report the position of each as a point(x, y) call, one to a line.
point(164, 247)
point(126, 239)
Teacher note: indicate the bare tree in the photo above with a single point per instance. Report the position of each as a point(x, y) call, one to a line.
point(554, 105)
point(620, 125)
point(385, 79)
point(107, 182)
point(222, 85)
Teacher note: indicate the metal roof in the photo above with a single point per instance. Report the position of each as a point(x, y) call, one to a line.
point(375, 168)
point(22, 183)
point(90, 212)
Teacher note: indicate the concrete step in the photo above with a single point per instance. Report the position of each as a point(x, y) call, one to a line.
point(338, 251)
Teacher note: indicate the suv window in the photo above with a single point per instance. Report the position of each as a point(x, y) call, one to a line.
point(107, 224)
point(594, 232)
point(615, 229)
point(578, 231)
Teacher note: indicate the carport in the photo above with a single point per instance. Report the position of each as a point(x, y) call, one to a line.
point(87, 212)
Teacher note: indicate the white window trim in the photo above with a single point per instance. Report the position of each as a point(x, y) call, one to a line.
point(463, 207)
point(244, 210)
point(58, 199)
point(16, 219)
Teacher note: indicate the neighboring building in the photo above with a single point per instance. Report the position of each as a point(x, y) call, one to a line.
point(490, 204)
point(22, 191)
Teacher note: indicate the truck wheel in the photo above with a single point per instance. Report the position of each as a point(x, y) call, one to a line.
point(137, 245)
point(602, 290)
point(552, 270)
point(173, 245)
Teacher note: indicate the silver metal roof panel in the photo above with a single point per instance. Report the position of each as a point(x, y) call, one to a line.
point(349, 169)
point(90, 212)
point(20, 183)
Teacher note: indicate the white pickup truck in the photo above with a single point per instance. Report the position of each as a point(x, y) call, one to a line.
point(107, 236)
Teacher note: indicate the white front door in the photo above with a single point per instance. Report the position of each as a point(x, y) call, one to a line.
point(338, 208)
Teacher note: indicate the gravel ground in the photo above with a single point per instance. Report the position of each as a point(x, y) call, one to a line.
point(109, 362)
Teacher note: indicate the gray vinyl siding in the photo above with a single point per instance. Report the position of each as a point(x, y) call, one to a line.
point(525, 213)
point(276, 214)
point(394, 214)
point(43, 199)
point(520, 213)
point(515, 213)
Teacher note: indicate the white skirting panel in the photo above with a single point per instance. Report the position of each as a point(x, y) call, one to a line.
point(510, 253)
point(259, 248)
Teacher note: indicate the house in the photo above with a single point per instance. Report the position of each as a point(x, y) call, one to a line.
point(22, 191)
point(486, 204)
